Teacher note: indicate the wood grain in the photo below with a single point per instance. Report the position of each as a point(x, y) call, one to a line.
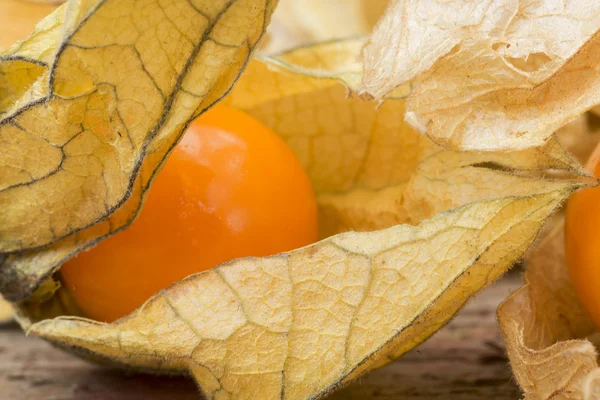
point(463, 361)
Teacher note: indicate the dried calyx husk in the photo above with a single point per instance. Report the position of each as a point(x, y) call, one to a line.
point(88, 118)
point(488, 75)
point(545, 329)
point(410, 229)
point(507, 74)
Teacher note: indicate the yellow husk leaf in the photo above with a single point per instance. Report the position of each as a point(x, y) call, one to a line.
point(488, 75)
point(111, 85)
point(16, 75)
point(544, 329)
point(297, 325)
point(301, 324)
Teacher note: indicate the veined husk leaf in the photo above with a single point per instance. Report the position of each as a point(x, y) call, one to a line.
point(437, 225)
point(488, 75)
point(544, 329)
point(25, 65)
point(110, 87)
point(298, 325)
point(297, 23)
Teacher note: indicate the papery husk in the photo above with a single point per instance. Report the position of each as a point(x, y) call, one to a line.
point(303, 323)
point(488, 75)
point(410, 230)
point(81, 148)
point(544, 328)
point(361, 157)
point(579, 137)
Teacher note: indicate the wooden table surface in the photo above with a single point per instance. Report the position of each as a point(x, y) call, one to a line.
point(465, 360)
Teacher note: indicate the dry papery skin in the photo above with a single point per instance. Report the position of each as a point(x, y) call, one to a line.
point(545, 328)
point(301, 324)
point(501, 74)
point(86, 119)
point(410, 230)
point(488, 75)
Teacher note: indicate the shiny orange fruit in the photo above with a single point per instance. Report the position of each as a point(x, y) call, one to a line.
point(582, 242)
point(231, 188)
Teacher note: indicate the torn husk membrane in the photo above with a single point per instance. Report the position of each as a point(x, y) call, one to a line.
point(488, 75)
point(434, 226)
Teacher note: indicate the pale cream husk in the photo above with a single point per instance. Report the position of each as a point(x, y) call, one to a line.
point(488, 75)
